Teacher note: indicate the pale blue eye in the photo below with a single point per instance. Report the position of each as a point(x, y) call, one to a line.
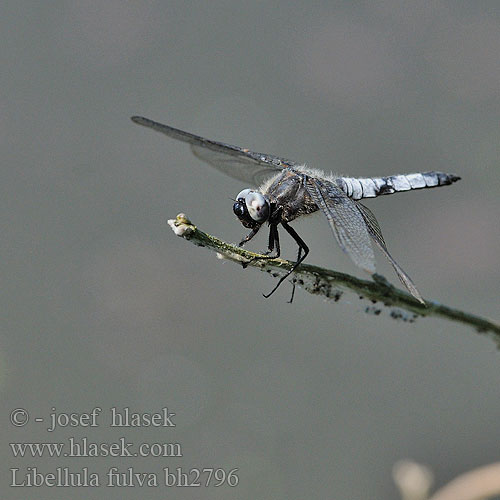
point(242, 194)
point(257, 206)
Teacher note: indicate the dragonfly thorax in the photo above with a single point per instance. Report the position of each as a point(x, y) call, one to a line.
point(251, 208)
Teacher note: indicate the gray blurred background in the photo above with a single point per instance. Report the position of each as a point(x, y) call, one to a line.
point(104, 306)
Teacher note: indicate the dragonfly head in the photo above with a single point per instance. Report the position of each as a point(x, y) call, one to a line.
point(251, 208)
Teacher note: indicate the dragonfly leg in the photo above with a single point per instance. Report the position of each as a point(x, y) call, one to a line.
point(249, 236)
point(293, 283)
point(274, 244)
point(302, 246)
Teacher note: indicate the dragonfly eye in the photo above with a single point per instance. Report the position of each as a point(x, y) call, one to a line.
point(251, 208)
point(239, 209)
point(257, 206)
point(242, 194)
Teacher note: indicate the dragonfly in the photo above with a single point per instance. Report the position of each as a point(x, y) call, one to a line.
point(283, 190)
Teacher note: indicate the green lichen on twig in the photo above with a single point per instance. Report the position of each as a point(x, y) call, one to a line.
point(332, 284)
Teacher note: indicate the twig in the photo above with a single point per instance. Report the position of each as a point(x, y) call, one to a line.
point(332, 284)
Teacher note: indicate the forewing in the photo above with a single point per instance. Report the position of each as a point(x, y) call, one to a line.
point(346, 221)
point(376, 234)
point(239, 163)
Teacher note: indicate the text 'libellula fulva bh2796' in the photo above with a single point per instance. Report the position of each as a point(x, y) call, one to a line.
point(288, 190)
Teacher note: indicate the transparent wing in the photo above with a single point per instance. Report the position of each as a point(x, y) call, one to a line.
point(346, 221)
point(239, 163)
point(353, 225)
point(376, 234)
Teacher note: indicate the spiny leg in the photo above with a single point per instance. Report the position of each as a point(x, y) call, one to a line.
point(293, 283)
point(274, 239)
point(274, 243)
point(300, 258)
point(249, 236)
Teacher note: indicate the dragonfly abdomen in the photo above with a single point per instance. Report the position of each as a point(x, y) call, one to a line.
point(370, 187)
